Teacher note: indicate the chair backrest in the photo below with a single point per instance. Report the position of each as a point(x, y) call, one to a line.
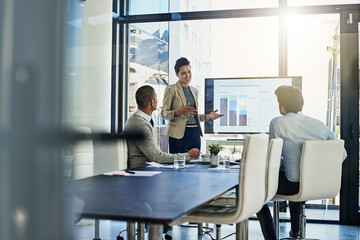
point(83, 165)
point(320, 169)
point(273, 167)
point(251, 190)
point(110, 156)
point(123, 154)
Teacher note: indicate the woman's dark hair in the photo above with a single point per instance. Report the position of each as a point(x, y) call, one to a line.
point(181, 62)
point(290, 97)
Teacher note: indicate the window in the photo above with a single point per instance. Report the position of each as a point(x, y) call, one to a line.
point(236, 54)
point(186, 31)
point(165, 6)
point(229, 48)
point(313, 53)
point(146, 6)
point(149, 61)
point(319, 2)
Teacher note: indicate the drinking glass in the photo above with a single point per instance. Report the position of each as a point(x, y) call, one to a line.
point(224, 162)
point(179, 161)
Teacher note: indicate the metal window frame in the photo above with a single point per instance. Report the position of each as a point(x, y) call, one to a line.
point(349, 75)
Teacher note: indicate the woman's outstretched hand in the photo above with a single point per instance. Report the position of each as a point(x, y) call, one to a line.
point(186, 110)
point(213, 115)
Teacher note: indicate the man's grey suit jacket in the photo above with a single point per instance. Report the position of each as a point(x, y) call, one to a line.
point(144, 150)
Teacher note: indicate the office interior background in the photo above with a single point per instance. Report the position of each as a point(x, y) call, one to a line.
point(77, 63)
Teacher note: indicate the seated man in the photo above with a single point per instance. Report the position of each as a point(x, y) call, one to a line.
point(294, 128)
point(144, 150)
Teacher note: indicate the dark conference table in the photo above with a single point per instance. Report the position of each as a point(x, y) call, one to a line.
point(157, 200)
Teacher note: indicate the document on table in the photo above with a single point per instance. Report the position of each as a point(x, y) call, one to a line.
point(158, 165)
point(235, 167)
point(133, 173)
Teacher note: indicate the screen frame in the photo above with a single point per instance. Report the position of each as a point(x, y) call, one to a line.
point(209, 104)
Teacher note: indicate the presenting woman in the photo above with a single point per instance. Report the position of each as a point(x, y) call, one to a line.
point(180, 106)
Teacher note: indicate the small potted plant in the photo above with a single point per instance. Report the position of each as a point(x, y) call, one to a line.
point(214, 150)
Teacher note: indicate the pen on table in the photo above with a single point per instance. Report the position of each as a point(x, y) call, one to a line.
point(128, 171)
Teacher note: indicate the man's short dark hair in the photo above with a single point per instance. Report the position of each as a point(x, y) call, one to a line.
point(181, 62)
point(290, 97)
point(144, 95)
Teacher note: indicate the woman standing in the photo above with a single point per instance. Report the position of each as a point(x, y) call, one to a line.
point(180, 106)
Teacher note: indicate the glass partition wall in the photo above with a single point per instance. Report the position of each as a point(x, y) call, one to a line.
point(237, 42)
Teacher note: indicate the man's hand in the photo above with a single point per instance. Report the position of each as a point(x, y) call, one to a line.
point(213, 115)
point(186, 110)
point(194, 153)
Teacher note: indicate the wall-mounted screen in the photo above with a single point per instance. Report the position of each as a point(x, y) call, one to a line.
point(248, 104)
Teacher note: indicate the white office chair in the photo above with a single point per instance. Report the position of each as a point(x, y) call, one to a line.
point(273, 168)
point(122, 153)
point(320, 175)
point(272, 175)
point(110, 156)
point(251, 189)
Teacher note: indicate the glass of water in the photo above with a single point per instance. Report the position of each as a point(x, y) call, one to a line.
point(179, 161)
point(224, 162)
